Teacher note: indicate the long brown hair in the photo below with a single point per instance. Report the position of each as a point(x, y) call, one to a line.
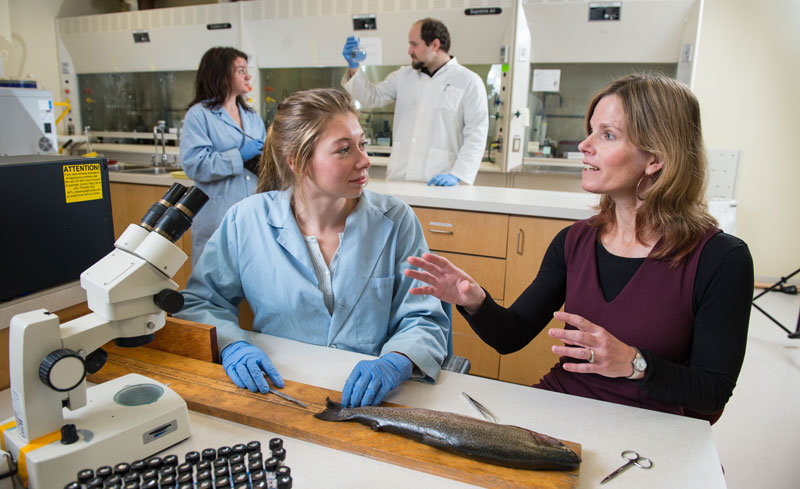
point(212, 84)
point(300, 121)
point(663, 118)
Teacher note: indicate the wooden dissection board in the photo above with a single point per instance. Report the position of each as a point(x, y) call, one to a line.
point(206, 389)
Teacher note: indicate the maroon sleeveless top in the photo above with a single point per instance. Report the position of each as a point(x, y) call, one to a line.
point(653, 311)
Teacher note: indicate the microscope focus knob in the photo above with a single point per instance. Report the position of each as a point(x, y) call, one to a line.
point(169, 300)
point(62, 370)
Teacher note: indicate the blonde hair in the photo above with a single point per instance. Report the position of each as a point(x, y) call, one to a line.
point(300, 121)
point(663, 118)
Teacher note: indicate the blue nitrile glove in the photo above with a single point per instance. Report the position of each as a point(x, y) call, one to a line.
point(371, 380)
point(245, 364)
point(349, 46)
point(251, 149)
point(444, 180)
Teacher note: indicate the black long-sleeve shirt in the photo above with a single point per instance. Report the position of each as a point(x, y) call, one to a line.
point(721, 301)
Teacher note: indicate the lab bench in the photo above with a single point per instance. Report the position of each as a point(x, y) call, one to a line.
point(682, 449)
point(497, 235)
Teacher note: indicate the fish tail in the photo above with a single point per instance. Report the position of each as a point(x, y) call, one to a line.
point(333, 412)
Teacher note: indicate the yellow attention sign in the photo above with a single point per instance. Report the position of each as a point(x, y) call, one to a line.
point(83, 182)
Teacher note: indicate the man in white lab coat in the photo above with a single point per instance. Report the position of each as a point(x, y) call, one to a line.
point(441, 115)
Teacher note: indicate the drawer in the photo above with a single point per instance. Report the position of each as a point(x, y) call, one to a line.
point(490, 273)
point(474, 233)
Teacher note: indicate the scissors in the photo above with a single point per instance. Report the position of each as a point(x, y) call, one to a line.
point(632, 458)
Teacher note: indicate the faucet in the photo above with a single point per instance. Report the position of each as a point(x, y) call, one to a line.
point(160, 127)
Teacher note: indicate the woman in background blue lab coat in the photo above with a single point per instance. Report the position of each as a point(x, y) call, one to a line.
point(320, 259)
point(221, 140)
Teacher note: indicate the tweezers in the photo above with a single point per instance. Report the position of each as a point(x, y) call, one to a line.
point(480, 408)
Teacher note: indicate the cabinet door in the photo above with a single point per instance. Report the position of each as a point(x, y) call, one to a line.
point(490, 273)
point(528, 239)
point(130, 202)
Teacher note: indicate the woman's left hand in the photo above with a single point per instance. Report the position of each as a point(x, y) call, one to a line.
point(605, 354)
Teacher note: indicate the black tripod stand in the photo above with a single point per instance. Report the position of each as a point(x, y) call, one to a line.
point(779, 286)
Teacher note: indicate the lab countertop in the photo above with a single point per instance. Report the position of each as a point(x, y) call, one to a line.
point(682, 449)
point(501, 200)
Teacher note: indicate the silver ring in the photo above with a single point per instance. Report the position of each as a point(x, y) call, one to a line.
point(591, 358)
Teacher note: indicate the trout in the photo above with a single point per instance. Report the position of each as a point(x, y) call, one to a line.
point(498, 444)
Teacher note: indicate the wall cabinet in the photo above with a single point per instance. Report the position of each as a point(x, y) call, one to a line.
point(503, 254)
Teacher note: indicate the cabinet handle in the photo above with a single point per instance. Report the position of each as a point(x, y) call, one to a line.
point(520, 241)
point(440, 231)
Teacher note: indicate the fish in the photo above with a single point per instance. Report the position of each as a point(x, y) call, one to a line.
point(476, 439)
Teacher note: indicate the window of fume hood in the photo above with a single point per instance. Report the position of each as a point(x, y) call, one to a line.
point(557, 118)
point(134, 102)
point(279, 83)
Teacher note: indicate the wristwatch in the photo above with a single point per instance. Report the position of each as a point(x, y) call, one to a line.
point(639, 366)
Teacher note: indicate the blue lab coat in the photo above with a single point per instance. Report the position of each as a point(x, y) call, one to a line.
point(210, 142)
point(258, 253)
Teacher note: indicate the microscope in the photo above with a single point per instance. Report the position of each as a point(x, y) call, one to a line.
point(60, 426)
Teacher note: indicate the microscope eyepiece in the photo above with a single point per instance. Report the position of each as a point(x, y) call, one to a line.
point(177, 219)
point(175, 192)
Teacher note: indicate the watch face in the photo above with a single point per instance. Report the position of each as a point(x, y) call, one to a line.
point(639, 363)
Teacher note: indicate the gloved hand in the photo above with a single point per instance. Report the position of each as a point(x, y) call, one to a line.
point(245, 364)
point(251, 149)
point(371, 380)
point(444, 180)
point(349, 46)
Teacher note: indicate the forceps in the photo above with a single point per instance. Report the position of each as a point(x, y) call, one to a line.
point(632, 458)
point(480, 408)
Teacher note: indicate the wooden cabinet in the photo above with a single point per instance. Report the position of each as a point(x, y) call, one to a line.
point(528, 239)
point(130, 202)
point(503, 254)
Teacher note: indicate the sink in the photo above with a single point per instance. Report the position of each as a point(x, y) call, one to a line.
point(152, 170)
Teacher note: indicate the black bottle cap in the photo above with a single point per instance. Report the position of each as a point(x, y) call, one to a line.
point(220, 462)
point(104, 472)
point(85, 475)
point(271, 465)
point(193, 457)
point(185, 468)
point(279, 453)
point(205, 484)
point(240, 449)
point(285, 482)
point(209, 454)
point(275, 443)
point(122, 469)
point(150, 484)
point(96, 482)
point(73, 485)
point(237, 459)
point(238, 469)
point(171, 460)
point(283, 470)
point(150, 474)
point(186, 477)
point(224, 452)
point(254, 465)
point(203, 475)
point(138, 466)
point(69, 434)
point(154, 463)
point(220, 472)
point(257, 475)
point(222, 483)
point(254, 446)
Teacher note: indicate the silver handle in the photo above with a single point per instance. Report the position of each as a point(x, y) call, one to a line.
point(520, 241)
point(440, 231)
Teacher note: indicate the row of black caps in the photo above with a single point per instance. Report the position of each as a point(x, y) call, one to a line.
point(237, 467)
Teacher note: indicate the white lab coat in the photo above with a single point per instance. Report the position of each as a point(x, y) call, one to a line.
point(440, 122)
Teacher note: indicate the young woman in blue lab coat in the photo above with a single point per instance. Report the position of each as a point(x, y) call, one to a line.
point(221, 140)
point(320, 259)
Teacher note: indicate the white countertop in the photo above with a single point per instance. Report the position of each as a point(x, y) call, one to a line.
point(682, 449)
point(501, 200)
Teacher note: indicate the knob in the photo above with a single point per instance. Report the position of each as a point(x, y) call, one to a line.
point(169, 300)
point(62, 370)
point(69, 434)
point(95, 360)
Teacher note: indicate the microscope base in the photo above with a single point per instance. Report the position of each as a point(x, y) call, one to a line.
point(125, 419)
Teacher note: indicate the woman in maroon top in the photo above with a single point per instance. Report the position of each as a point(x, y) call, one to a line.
point(656, 299)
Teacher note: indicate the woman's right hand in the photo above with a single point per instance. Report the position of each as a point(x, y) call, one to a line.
point(445, 281)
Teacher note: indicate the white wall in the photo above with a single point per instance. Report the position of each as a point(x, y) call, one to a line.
point(748, 68)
